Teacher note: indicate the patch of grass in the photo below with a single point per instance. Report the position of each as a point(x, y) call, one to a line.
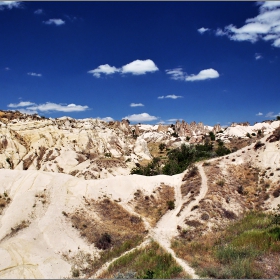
point(242, 250)
point(149, 262)
point(113, 252)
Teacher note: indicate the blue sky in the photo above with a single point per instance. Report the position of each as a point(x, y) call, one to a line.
point(150, 62)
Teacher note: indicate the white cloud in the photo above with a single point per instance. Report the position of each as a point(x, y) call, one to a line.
point(9, 5)
point(38, 12)
point(202, 30)
point(258, 56)
point(136, 105)
point(20, 104)
point(259, 114)
point(174, 120)
point(220, 32)
point(176, 73)
point(139, 67)
point(265, 26)
point(203, 75)
point(34, 74)
point(136, 67)
point(106, 119)
point(144, 117)
point(55, 21)
point(48, 106)
point(26, 111)
point(172, 96)
point(104, 69)
point(272, 115)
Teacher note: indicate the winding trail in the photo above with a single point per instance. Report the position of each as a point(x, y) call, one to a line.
point(166, 228)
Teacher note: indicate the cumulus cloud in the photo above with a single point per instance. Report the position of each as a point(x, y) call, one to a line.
point(54, 21)
point(203, 75)
point(136, 105)
point(139, 67)
point(202, 30)
point(104, 69)
point(144, 117)
point(34, 74)
point(176, 73)
point(259, 114)
point(20, 104)
point(47, 107)
point(258, 56)
point(136, 67)
point(172, 96)
point(265, 26)
point(38, 12)
point(9, 5)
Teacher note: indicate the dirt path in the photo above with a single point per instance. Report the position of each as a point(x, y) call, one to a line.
point(166, 228)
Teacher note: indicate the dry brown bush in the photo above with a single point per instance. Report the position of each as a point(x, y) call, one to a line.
point(81, 158)
point(154, 207)
point(28, 161)
point(112, 223)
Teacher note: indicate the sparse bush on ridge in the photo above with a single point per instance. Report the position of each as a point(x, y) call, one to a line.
point(180, 159)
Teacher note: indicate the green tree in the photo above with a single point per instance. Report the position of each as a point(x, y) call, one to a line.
point(212, 136)
point(162, 146)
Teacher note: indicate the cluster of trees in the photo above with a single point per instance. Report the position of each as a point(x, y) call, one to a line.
point(180, 159)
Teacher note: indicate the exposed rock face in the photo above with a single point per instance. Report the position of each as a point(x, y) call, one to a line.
point(162, 128)
point(67, 145)
point(216, 128)
point(241, 124)
point(192, 129)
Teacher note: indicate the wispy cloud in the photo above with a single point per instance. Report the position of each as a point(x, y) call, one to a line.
point(265, 26)
point(272, 115)
point(106, 119)
point(203, 75)
point(54, 21)
point(172, 96)
point(144, 117)
point(174, 120)
point(34, 74)
point(176, 73)
point(10, 5)
point(202, 30)
point(7, 69)
point(137, 67)
point(136, 105)
point(38, 12)
point(259, 114)
point(20, 104)
point(32, 107)
point(258, 56)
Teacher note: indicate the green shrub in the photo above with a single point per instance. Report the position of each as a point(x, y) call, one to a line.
point(171, 204)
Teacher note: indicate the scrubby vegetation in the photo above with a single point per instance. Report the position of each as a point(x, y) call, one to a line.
point(147, 263)
point(247, 248)
point(179, 159)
